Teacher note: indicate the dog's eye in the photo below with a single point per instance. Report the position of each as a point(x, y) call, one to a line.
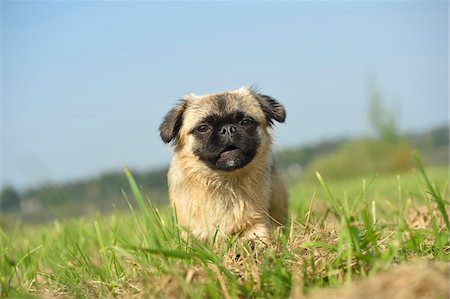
point(203, 128)
point(247, 122)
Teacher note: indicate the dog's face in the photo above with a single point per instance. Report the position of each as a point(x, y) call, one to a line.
point(223, 130)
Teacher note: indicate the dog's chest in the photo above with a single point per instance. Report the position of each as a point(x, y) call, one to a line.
point(229, 211)
point(230, 208)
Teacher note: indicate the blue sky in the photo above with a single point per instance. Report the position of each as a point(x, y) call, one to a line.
point(86, 84)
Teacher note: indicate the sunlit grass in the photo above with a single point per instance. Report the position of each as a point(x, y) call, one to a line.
point(338, 232)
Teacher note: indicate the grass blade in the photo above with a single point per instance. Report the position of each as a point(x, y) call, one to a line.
point(434, 193)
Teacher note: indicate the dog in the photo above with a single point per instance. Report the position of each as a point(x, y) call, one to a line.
point(222, 179)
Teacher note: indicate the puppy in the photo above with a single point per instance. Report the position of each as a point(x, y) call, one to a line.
point(222, 177)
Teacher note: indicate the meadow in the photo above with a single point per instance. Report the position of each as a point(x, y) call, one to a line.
point(341, 233)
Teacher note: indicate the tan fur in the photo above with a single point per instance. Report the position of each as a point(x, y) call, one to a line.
point(242, 201)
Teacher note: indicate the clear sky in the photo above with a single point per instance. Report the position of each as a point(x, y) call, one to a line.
point(86, 84)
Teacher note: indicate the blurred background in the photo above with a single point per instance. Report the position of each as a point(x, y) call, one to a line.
point(85, 85)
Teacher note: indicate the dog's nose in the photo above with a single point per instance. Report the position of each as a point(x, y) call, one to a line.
point(228, 130)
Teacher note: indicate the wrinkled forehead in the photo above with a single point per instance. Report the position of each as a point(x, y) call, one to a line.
point(222, 104)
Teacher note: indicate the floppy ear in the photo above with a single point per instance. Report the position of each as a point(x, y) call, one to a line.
point(271, 108)
point(172, 122)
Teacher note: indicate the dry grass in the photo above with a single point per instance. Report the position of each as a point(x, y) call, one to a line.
point(418, 279)
point(347, 246)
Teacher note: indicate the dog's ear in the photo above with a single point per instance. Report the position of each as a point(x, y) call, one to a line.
point(271, 108)
point(172, 122)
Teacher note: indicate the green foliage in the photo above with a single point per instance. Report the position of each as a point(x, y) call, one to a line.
point(348, 231)
point(434, 138)
point(104, 193)
point(9, 199)
point(305, 154)
point(433, 191)
point(381, 119)
point(433, 146)
point(87, 197)
point(365, 157)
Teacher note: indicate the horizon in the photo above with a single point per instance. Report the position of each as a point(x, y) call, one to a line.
point(166, 165)
point(85, 84)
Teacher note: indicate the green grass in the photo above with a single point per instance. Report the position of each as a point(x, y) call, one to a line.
point(339, 232)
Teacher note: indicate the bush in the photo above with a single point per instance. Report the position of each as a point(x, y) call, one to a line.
point(363, 157)
point(9, 199)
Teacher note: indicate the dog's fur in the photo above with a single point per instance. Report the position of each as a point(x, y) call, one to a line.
point(234, 190)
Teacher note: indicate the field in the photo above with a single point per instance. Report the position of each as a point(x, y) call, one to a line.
point(383, 236)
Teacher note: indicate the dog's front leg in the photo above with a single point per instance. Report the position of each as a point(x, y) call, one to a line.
point(260, 232)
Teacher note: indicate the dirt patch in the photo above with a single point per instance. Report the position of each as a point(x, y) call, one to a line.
point(414, 280)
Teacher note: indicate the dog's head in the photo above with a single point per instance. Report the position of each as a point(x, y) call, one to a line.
point(223, 130)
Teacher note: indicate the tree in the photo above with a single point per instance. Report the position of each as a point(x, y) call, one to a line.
point(382, 120)
point(9, 199)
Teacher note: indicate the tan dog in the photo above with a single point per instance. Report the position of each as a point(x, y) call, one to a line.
point(222, 177)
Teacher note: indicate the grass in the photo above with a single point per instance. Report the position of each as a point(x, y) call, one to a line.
point(339, 232)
